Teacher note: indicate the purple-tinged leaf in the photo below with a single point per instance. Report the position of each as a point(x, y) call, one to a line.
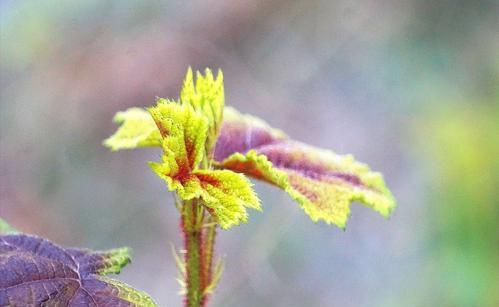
point(36, 272)
point(322, 182)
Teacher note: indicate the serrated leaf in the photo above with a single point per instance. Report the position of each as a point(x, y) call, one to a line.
point(183, 132)
point(322, 182)
point(102, 263)
point(35, 271)
point(206, 95)
point(224, 193)
point(137, 130)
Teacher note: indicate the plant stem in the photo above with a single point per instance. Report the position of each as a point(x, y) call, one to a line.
point(209, 239)
point(199, 243)
point(194, 262)
point(209, 245)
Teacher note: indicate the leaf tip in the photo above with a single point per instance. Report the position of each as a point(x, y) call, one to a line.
point(115, 260)
point(5, 228)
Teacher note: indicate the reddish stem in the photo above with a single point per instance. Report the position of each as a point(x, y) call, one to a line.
point(194, 262)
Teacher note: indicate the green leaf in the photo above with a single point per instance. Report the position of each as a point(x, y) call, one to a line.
point(322, 182)
point(206, 95)
point(116, 259)
point(137, 130)
point(183, 132)
point(128, 293)
point(226, 194)
point(6, 228)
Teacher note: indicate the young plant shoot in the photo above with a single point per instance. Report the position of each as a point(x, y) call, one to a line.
point(210, 150)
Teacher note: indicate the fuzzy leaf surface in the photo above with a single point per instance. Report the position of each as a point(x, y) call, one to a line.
point(137, 129)
point(226, 194)
point(205, 93)
point(183, 133)
point(35, 271)
point(322, 182)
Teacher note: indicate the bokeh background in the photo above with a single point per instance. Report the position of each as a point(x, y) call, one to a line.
point(410, 87)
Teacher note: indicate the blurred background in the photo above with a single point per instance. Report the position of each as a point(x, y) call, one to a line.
point(409, 87)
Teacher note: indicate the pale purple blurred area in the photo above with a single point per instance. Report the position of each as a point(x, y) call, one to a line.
point(352, 76)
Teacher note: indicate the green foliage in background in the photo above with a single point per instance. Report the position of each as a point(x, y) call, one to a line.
point(463, 144)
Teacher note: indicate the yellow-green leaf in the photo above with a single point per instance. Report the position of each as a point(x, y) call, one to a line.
point(137, 130)
point(6, 228)
point(322, 182)
point(226, 194)
point(206, 95)
point(127, 293)
point(183, 132)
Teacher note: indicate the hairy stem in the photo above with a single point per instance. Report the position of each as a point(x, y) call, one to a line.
point(209, 239)
point(209, 235)
point(199, 229)
point(192, 219)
